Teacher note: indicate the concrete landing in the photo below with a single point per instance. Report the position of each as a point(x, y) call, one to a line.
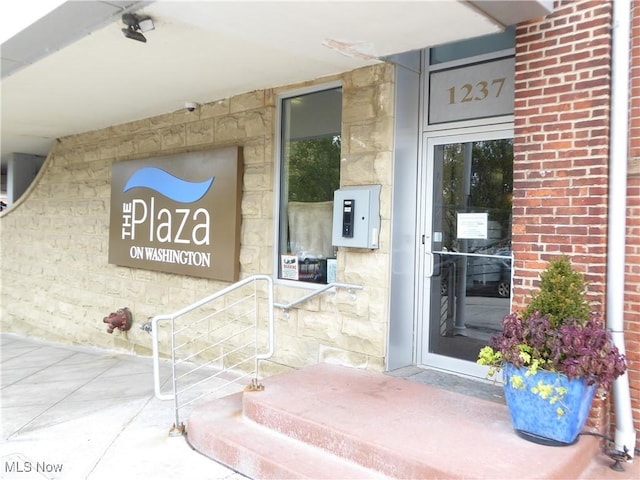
point(328, 421)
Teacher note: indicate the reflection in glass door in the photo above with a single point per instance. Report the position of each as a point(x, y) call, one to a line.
point(468, 272)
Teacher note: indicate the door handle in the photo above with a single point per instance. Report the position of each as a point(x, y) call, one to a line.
point(429, 267)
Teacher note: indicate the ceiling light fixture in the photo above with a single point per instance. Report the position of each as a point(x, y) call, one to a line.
point(136, 25)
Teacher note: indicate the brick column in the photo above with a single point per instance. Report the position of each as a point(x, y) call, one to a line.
point(561, 144)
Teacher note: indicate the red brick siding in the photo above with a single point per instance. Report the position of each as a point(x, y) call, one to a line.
point(632, 279)
point(562, 117)
point(561, 144)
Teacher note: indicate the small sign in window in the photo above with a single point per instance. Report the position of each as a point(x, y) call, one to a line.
point(473, 226)
point(289, 267)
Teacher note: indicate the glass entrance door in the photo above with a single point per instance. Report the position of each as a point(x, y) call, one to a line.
point(467, 267)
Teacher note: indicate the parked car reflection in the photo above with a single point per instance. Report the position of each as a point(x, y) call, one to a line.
point(488, 274)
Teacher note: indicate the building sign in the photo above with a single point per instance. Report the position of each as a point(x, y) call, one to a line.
point(178, 213)
point(470, 92)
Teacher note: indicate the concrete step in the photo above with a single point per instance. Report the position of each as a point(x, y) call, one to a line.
point(219, 430)
point(318, 422)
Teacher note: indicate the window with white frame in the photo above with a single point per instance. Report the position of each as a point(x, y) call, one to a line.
point(309, 174)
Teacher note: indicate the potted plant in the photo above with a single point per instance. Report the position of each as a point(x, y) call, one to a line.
point(554, 355)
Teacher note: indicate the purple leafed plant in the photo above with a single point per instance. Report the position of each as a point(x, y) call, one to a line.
point(557, 333)
point(576, 348)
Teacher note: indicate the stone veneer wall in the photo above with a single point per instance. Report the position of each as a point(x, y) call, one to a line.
point(58, 285)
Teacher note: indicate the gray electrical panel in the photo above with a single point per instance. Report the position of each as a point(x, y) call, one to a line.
point(356, 217)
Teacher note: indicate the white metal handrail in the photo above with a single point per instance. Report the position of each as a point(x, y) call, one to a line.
point(315, 293)
point(219, 339)
point(243, 337)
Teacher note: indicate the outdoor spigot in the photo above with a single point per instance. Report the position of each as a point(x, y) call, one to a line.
point(120, 319)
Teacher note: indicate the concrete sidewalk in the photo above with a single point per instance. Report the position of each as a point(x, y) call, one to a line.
point(72, 412)
point(79, 413)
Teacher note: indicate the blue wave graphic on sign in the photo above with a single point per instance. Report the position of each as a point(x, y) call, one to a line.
point(168, 185)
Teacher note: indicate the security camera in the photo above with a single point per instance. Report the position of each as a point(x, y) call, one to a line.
point(190, 106)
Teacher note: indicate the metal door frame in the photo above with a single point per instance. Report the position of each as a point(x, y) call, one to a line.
point(424, 256)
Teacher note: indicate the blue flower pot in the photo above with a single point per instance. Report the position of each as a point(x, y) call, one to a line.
point(537, 419)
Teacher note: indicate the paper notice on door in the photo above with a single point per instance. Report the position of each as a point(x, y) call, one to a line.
point(473, 226)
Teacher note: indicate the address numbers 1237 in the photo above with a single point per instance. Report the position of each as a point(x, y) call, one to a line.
point(478, 92)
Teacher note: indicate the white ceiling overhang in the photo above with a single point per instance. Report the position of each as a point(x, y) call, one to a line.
point(74, 71)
